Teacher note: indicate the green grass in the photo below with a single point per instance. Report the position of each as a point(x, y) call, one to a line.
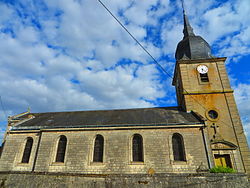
point(220, 169)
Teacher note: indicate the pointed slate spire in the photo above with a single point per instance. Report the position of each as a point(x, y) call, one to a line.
point(191, 46)
point(188, 30)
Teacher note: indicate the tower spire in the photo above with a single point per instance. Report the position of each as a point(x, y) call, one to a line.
point(191, 46)
point(182, 4)
point(188, 30)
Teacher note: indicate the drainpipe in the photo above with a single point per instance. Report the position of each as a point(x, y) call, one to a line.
point(203, 120)
point(37, 149)
point(206, 146)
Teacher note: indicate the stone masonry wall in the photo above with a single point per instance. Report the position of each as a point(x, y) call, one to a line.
point(157, 143)
point(31, 180)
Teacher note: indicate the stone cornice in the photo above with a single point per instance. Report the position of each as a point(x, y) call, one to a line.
point(124, 127)
point(195, 61)
point(210, 92)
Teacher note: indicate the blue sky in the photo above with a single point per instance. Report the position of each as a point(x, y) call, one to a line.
point(66, 55)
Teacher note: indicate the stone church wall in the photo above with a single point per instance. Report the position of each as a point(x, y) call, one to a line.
point(157, 146)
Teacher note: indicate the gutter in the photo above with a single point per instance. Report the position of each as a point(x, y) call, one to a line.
point(206, 147)
point(106, 128)
point(52, 126)
point(202, 119)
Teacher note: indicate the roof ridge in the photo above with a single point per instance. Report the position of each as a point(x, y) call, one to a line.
point(168, 107)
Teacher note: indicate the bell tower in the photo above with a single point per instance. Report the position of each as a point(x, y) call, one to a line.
point(202, 85)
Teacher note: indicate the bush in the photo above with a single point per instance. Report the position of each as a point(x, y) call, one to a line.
point(221, 169)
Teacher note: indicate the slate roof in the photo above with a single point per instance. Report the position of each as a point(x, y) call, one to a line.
point(108, 118)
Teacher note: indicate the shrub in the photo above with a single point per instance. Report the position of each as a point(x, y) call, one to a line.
point(221, 169)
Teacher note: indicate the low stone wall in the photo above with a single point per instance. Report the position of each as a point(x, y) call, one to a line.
point(35, 180)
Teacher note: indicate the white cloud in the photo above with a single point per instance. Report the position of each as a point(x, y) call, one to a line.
point(242, 96)
point(245, 35)
point(6, 13)
point(171, 34)
point(138, 13)
point(221, 21)
point(119, 87)
point(27, 35)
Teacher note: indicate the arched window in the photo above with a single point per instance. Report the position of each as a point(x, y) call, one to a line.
point(1, 149)
point(27, 150)
point(98, 149)
point(178, 147)
point(137, 148)
point(61, 148)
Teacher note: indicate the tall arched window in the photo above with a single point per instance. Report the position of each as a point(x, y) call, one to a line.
point(178, 147)
point(27, 150)
point(137, 148)
point(1, 149)
point(61, 148)
point(98, 149)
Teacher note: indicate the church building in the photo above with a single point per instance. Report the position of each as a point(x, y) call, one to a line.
point(202, 132)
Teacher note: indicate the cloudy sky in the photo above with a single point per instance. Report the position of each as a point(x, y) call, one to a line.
point(62, 55)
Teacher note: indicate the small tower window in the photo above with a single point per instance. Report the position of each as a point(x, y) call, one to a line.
point(213, 114)
point(98, 149)
point(27, 150)
point(178, 147)
point(204, 77)
point(137, 148)
point(61, 148)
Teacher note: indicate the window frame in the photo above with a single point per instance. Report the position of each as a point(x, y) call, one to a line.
point(57, 148)
point(94, 149)
point(180, 156)
point(203, 78)
point(142, 158)
point(24, 151)
point(2, 148)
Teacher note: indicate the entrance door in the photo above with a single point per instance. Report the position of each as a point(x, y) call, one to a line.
point(222, 160)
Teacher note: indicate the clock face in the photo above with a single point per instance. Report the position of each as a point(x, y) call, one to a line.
point(203, 69)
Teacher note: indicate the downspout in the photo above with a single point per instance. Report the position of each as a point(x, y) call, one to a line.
point(37, 149)
point(204, 138)
point(206, 146)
